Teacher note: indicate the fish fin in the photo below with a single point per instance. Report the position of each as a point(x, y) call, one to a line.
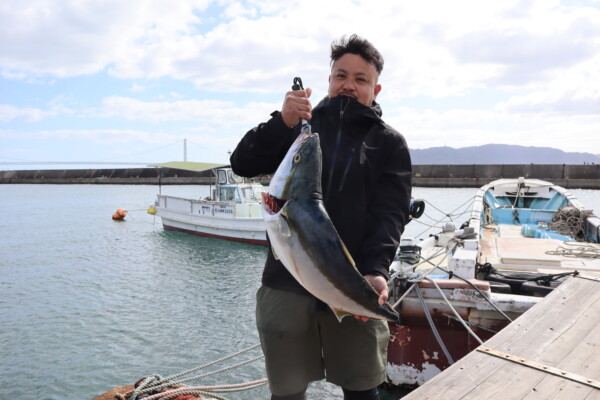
point(340, 314)
point(274, 253)
point(347, 254)
point(284, 228)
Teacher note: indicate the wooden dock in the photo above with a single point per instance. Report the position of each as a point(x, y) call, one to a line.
point(551, 352)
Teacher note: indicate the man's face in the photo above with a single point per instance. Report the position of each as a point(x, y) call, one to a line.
point(352, 76)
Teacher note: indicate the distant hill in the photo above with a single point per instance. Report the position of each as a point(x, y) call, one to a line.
point(499, 154)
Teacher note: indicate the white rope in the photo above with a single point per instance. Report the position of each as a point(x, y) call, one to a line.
point(454, 311)
point(212, 363)
point(577, 250)
point(207, 390)
point(446, 251)
point(466, 204)
point(155, 382)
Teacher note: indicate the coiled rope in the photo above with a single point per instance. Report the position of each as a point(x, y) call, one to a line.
point(570, 221)
point(207, 390)
point(155, 382)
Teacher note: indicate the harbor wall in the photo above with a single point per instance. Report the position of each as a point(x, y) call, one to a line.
point(582, 176)
point(109, 176)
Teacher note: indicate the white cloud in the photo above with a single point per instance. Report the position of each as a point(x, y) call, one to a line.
point(9, 113)
point(211, 113)
point(539, 59)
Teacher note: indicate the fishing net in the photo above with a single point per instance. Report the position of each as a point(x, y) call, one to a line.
point(570, 221)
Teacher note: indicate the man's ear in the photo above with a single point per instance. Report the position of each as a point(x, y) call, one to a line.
point(376, 91)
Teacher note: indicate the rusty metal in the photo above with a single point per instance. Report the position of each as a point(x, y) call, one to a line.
point(414, 355)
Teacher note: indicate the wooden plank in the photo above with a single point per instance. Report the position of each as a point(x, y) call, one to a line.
point(561, 373)
point(562, 331)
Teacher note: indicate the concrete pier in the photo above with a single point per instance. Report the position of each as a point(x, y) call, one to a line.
point(583, 176)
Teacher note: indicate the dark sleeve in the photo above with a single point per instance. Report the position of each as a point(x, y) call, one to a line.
point(262, 148)
point(388, 212)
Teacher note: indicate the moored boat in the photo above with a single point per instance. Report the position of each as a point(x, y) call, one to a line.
point(232, 211)
point(459, 287)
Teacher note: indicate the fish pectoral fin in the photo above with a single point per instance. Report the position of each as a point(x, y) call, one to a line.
point(340, 314)
point(284, 228)
point(274, 253)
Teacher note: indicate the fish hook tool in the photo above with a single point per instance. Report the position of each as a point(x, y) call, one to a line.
point(298, 86)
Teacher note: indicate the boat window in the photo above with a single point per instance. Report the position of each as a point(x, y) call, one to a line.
point(235, 178)
point(258, 190)
point(249, 194)
point(229, 194)
point(222, 177)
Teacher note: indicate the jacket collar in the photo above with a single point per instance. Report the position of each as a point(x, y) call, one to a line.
point(351, 107)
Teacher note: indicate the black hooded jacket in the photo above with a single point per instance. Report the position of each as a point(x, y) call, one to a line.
point(366, 180)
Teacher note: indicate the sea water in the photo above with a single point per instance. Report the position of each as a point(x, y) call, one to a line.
point(88, 303)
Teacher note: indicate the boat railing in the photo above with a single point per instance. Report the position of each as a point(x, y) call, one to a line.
point(209, 208)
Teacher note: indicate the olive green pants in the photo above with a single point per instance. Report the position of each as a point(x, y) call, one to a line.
point(303, 342)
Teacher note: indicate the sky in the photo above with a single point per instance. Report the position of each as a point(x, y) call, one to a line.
point(113, 81)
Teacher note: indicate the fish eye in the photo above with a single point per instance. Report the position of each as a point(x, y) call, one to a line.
point(297, 158)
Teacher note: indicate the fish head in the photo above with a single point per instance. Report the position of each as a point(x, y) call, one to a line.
point(299, 174)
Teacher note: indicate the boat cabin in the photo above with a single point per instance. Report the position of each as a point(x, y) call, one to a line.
point(236, 189)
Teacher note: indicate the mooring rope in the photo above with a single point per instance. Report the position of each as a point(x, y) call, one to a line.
point(211, 363)
point(207, 390)
point(434, 328)
point(455, 312)
point(449, 215)
point(446, 251)
point(156, 382)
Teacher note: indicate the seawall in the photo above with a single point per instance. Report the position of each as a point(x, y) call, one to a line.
point(581, 176)
point(586, 176)
point(109, 176)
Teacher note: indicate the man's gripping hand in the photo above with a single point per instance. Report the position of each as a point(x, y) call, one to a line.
point(380, 285)
point(296, 106)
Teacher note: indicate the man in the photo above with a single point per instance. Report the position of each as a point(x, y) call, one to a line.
point(366, 182)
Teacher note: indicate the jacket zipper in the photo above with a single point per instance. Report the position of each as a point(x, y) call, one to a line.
point(336, 148)
point(346, 168)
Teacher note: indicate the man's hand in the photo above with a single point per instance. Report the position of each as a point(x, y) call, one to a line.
point(380, 285)
point(296, 106)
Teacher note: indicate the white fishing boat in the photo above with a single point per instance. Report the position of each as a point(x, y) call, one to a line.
point(232, 211)
point(459, 287)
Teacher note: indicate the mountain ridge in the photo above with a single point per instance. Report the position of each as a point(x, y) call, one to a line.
point(500, 154)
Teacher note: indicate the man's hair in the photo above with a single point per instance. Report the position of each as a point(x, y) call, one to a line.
point(357, 45)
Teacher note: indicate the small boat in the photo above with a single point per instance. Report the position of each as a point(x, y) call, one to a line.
point(460, 286)
point(231, 212)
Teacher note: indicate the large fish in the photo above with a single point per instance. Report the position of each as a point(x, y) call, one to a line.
point(303, 237)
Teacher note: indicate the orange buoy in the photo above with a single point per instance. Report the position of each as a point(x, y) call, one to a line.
point(119, 214)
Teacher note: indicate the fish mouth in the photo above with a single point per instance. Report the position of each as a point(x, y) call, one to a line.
point(306, 135)
point(272, 204)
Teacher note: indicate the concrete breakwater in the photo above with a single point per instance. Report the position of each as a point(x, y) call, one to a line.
point(108, 176)
point(580, 176)
point(585, 176)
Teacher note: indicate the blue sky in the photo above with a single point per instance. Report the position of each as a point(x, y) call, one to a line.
point(115, 81)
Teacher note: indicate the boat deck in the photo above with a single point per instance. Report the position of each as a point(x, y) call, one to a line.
point(551, 352)
point(511, 251)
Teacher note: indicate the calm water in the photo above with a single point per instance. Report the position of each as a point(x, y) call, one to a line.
point(87, 303)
